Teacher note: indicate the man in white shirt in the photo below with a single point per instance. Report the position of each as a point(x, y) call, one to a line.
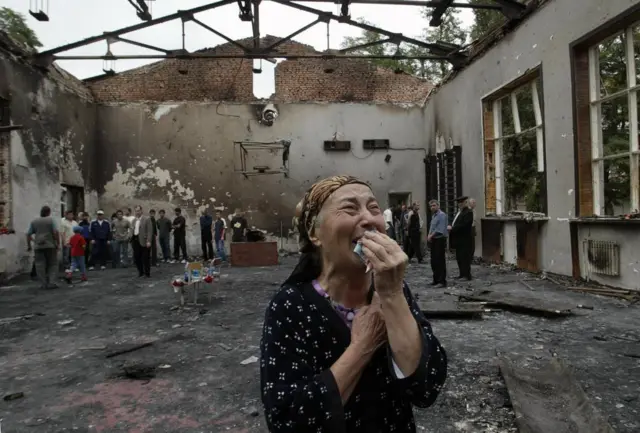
point(388, 222)
point(66, 232)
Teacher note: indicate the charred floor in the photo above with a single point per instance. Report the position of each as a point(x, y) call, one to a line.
point(74, 362)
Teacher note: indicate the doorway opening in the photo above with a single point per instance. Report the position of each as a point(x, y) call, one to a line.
point(399, 198)
point(71, 199)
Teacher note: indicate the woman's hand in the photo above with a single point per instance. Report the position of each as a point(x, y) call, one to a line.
point(388, 261)
point(368, 331)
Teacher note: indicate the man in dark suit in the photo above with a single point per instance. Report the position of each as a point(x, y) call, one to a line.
point(141, 242)
point(461, 231)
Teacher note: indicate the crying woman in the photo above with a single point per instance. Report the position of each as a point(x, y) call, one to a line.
point(345, 350)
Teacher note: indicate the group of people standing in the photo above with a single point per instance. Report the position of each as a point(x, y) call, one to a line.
point(460, 234)
point(404, 225)
point(86, 243)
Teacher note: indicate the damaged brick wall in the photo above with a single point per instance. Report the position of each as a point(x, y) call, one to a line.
point(181, 80)
point(351, 80)
point(232, 79)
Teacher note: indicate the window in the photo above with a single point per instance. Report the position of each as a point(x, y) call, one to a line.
point(514, 149)
point(614, 65)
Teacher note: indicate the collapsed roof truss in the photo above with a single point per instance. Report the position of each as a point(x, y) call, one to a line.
point(250, 11)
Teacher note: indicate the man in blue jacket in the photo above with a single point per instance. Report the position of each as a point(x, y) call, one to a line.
point(100, 240)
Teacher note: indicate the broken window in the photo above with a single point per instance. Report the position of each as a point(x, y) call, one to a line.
point(613, 88)
point(514, 149)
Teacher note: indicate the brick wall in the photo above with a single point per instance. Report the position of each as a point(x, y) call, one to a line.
point(232, 79)
point(204, 80)
point(351, 80)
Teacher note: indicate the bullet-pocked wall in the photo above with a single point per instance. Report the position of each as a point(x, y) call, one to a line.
point(455, 113)
point(162, 154)
point(183, 154)
point(52, 149)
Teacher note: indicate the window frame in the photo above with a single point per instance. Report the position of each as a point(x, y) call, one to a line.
point(493, 103)
point(595, 118)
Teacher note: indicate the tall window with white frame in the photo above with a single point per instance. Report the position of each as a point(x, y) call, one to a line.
point(614, 65)
point(514, 149)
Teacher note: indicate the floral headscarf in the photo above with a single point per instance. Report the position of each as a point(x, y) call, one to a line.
point(306, 214)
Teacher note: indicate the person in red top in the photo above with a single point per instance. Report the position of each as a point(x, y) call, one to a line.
point(78, 246)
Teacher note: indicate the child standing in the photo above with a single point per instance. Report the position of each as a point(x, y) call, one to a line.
point(78, 246)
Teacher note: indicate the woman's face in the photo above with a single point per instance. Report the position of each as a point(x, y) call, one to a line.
point(345, 216)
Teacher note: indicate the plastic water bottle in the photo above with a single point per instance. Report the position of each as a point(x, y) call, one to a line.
point(186, 272)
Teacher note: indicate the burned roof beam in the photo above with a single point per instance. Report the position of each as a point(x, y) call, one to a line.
point(124, 30)
point(255, 24)
point(441, 9)
point(215, 32)
point(294, 34)
point(367, 45)
point(436, 49)
point(429, 4)
point(259, 55)
point(512, 9)
point(142, 10)
point(138, 44)
point(344, 9)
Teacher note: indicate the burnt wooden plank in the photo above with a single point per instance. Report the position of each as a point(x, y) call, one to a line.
point(451, 310)
point(521, 303)
point(550, 400)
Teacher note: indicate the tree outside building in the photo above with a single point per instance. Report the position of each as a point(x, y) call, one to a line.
point(15, 25)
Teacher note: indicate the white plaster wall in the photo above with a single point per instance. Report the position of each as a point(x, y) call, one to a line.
point(629, 240)
point(35, 188)
point(509, 243)
point(455, 111)
point(196, 170)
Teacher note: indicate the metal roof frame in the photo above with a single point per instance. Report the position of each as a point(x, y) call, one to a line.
point(250, 11)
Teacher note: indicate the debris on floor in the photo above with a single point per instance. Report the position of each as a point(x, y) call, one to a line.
point(550, 399)
point(521, 302)
point(453, 310)
point(627, 295)
point(204, 375)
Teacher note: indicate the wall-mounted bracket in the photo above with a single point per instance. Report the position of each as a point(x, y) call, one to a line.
point(244, 150)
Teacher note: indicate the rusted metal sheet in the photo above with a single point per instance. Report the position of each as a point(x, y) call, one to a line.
point(452, 310)
point(491, 240)
point(521, 303)
point(527, 245)
point(550, 400)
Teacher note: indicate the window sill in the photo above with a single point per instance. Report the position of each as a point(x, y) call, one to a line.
point(514, 218)
point(606, 221)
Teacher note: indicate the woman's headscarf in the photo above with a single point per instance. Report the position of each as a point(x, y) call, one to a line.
point(309, 266)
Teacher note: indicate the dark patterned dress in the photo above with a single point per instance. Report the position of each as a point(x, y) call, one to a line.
point(303, 337)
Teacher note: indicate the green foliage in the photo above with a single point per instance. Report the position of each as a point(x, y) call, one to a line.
point(451, 31)
point(484, 21)
point(366, 37)
point(615, 124)
point(523, 182)
point(15, 25)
